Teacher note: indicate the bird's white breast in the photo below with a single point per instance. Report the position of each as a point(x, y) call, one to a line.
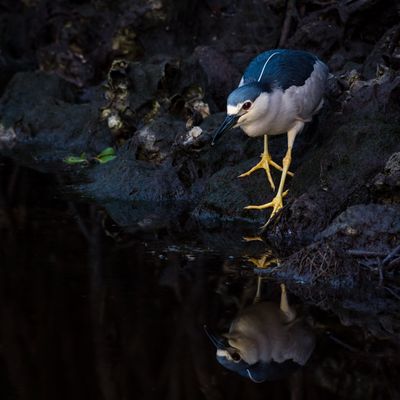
point(276, 112)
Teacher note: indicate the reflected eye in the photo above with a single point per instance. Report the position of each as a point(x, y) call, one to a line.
point(246, 105)
point(236, 357)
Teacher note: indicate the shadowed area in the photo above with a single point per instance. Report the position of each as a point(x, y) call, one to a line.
point(87, 312)
point(123, 231)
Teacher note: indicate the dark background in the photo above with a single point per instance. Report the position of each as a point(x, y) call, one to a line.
point(89, 310)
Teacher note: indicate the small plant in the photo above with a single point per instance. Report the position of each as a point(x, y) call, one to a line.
point(106, 155)
point(82, 159)
point(103, 157)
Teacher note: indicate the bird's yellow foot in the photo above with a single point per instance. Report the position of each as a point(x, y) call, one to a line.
point(264, 261)
point(264, 164)
point(276, 204)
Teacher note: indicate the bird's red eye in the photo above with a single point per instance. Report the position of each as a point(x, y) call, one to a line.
point(236, 357)
point(246, 105)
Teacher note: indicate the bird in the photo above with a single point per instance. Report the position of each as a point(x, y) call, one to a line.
point(280, 91)
point(266, 341)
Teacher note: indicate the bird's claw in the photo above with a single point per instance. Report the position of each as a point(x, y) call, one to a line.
point(276, 204)
point(264, 164)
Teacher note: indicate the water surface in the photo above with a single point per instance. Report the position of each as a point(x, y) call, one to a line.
point(90, 310)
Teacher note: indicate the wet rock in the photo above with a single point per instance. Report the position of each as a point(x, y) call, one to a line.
point(195, 20)
point(322, 265)
point(361, 230)
point(373, 227)
point(53, 113)
point(334, 174)
point(386, 185)
point(155, 140)
point(368, 97)
point(128, 179)
point(192, 135)
point(137, 93)
point(145, 216)
point(392, 167)
point(84, 38)
point(8, 137)
point(131, 92)
point(9, 67)
point(366, 305)
point(182, 172)
point(43, 108)
point(221, 75)
point(225, 196)
point(385, 53)
point(317, 35)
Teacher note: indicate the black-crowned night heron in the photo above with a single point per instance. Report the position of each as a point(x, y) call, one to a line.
point(279, 92)
point(266, 341)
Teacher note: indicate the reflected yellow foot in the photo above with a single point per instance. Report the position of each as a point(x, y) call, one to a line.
point(264, 164)
point(264, 261)
point(259, 262)
point(253, 238)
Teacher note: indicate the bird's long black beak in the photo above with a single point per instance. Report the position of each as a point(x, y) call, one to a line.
point(218, 341)
point(229, 122)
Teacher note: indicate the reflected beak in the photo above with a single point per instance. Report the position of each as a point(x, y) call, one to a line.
point(228, 123)
point(218, 341)
point(254, 377)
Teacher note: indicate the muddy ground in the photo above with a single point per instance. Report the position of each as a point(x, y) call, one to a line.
point(150, 79)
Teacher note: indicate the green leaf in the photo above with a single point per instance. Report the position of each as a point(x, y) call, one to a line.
point(105, 159)
point(108, 151)
point(75, 160)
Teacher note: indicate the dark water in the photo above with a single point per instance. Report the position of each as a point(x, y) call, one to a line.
point(91, 311)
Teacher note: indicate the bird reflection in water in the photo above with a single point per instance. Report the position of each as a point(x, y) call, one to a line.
point(266, 341)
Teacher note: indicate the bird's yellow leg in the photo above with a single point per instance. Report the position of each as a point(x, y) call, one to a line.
point(289, 312)
point(277, 202)
point(257, 297)
point(264, 164)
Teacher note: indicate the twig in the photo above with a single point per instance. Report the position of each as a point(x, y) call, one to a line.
point(392, 292)
point(369, 266)
point(365, 253)
point(290, 13)
point(83, 228)
point(13, 182)
point(338, 341)
point(394, 263)
point(391, 255)
point(380, 270)
point(324, 3)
